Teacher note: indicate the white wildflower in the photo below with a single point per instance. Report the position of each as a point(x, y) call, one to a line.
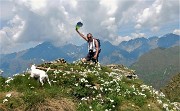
point(68, 72)
point(54, 81)
point(159, 101)
point(145, 87)
point(176, 105)
point(76, 84)
point(95, 87)
point(8, 95)
point(87, 85)
point(111, 100)
point(133, 87)
point(156, 92)
point(165, 105)
point(89, 70)
point(83, 80)
point(72, 69)
point(110, 89)
point(111, 82)
point(32, 87)
point(90, 107)
point(101, 89)
point(142, 94)
point(102, 80)
point(161, 94)
point(99, 68)
point(112, 74)
point(107, 82)
point(5, 100)
point(107, 73)
point(84, 99)
point(99, 95)
point(9, 79)
point(135, 93)
point(118, 90)
point(55, 72)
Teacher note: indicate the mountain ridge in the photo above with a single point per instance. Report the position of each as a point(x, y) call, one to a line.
point(109, 54)
point(158, 65)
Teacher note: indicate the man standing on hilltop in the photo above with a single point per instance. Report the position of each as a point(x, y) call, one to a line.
point(93, 47)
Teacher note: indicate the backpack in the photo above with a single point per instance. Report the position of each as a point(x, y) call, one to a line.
point(99, 43)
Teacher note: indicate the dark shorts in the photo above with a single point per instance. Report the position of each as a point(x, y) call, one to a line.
point(90, 56)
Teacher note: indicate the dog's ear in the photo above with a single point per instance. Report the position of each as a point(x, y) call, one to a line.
point(30, 64)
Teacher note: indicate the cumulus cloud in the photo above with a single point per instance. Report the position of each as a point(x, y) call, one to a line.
point(138, 35)
point(27, 22)
point(119, 39)
point(176, 31)
point(158, 13)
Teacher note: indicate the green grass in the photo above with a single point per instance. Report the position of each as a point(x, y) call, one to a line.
point(88, 87)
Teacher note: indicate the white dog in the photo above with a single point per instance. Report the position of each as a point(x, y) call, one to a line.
point(42, 75)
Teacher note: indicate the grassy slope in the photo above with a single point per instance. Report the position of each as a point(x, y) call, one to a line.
point(172, 89)
point(81, 87)
point(158, 66)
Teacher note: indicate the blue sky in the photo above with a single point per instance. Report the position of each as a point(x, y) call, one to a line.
point(26, 23)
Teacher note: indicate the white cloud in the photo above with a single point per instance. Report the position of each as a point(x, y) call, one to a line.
point(159, 13)
point(9, 36)
point(176, 31)
point(155, 29)
point(6, 10)
point(138, 26)
point(28, 21)
point(119, 39)
point(111, 6)
point(138, 35)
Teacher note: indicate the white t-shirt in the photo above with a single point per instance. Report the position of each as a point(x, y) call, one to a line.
point(91, 46)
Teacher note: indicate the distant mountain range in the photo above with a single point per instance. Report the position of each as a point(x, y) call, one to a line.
point(158, 66)
point(125, 53)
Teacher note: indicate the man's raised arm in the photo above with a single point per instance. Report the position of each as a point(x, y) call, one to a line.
point(83, 36)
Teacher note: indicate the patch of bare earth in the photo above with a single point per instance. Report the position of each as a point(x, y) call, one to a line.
point(13, 94)
point(62, 104)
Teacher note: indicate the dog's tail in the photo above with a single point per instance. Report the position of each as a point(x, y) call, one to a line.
point(48, 69)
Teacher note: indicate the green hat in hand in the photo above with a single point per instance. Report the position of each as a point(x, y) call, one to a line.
point(78, 25)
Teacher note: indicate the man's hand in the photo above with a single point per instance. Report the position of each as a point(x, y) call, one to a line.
point(95, 57)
